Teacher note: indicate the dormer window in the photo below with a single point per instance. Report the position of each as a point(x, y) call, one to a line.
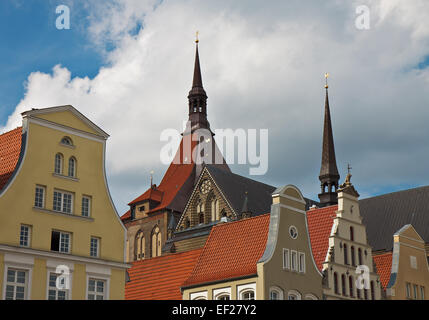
point(67, 141)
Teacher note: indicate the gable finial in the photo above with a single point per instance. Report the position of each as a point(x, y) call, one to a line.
point(326, 80)
point(151, 178)
point(349, 168)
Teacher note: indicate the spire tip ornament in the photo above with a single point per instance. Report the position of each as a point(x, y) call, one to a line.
point(326, 80)
point(196, 37)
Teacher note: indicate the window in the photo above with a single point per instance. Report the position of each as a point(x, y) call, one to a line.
point(53, 292)
point(223, 297)
point(187, 223)
point(358, 293)
point(63, 202)
point(414, 291)
point(58, 168)
point(286, 259)
point(422, 293)
point(86, 206)
point(215, 210)
point(140, 246)
point(16, 284)
point(60, 241)
point(156, 242)
point(372, 291)
point(39, 198)
point(94, 247)
point(408, 288)
point(346, 255)
point(336, 283)
point(96, 289)
point(294, 264)
point(293, 232)
point(365, 294)
point(352, 253)
point(351, 286)
point(294, 295)
point(360, 256)
point(343, 285)
point(248, 295)
point(24, 236)
point(352, 234)
point(276, 294)
point(201, 218)
point(72, 167)
point(413, 262)
point(141, 209)
point(301, 262)
point(67, 141)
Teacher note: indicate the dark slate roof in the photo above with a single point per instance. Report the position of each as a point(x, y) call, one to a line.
point(234, 187)
point(386, 214)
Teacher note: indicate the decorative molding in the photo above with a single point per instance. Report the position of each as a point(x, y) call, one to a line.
point(65, 177)
point(63, 214)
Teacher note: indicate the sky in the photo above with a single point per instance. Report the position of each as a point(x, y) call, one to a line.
point(127, 65)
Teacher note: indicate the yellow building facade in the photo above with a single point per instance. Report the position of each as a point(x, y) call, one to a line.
point(60, 234)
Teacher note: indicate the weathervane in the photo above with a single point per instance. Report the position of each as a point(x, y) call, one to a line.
point(196, 37)
point(326, 80)
point(349, 168)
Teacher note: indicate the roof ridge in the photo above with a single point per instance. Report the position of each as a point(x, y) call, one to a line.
point(6, 132)
point(393, 192)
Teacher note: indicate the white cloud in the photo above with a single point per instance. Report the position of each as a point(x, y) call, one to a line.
point(263, 67)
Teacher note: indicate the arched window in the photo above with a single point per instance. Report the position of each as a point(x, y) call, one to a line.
point(346, 255)
point(201, 218)
point(67, 141)
point(139, 246)
point(215, 210)
point(343, 285)
point(372, 291)
point(294, 295)
point(352, 252)
point(336, 283)
point(276, 293)
point(360, 256)
point(187, 223)
point(200, 212)
point(310, 296)
point(58, 168)
point(352, 234)
point(224, 296)
point(351, 286)
point(72, 167)
point(248, 295)
point(156, 242)
point(358, 294)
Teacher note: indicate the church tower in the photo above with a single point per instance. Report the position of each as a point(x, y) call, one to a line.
point(329, 176)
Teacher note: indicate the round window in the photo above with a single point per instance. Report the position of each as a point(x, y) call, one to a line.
point(293, 232)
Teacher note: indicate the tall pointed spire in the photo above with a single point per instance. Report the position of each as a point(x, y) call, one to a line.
point(329, 176)
point(197, 97)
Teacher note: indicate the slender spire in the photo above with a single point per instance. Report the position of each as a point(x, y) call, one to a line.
point(329, 176)
point(197, 97)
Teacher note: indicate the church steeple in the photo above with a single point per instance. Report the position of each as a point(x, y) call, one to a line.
point(197, 97)
point(329, 176)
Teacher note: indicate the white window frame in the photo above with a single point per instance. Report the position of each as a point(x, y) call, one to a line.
point(89, 206)
point(244, 288)
point(422, 292)
point(202, 295)
point(286, 259)
point(27, 286)
point(62, 193)
point(61, 164)
point(413, 262)
point(217, 293)
point(50, 288)
point(310, 296)
point(408, 290)
point(43, 189)
point(293, 293)
point(301, 266)
point(279, 292)
point(293, 267)
point(28, 245)
point(73, 174)
point(97, 248)
point(98, 276)
point(62, 233)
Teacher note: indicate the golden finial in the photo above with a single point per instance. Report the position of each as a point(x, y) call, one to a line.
point(196, 37)
point(326, 80)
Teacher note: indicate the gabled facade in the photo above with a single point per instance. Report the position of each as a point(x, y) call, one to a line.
point(263, 257)
point(56, 212)
point(341, 249)
point(404, 272)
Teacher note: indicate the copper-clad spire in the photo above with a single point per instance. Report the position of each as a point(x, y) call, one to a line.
point(329, 176)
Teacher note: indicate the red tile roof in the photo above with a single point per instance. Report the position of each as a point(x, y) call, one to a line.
point(232, 250)
point(176, 175)
point(320, 222)
point(383, 263)
point(160, 278)
point(10, 148)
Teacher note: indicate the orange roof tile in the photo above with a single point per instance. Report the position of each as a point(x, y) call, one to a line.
point(383, 263)
point(232, 250)
point(10, 149)
point(320, 222)
point(160, 278)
